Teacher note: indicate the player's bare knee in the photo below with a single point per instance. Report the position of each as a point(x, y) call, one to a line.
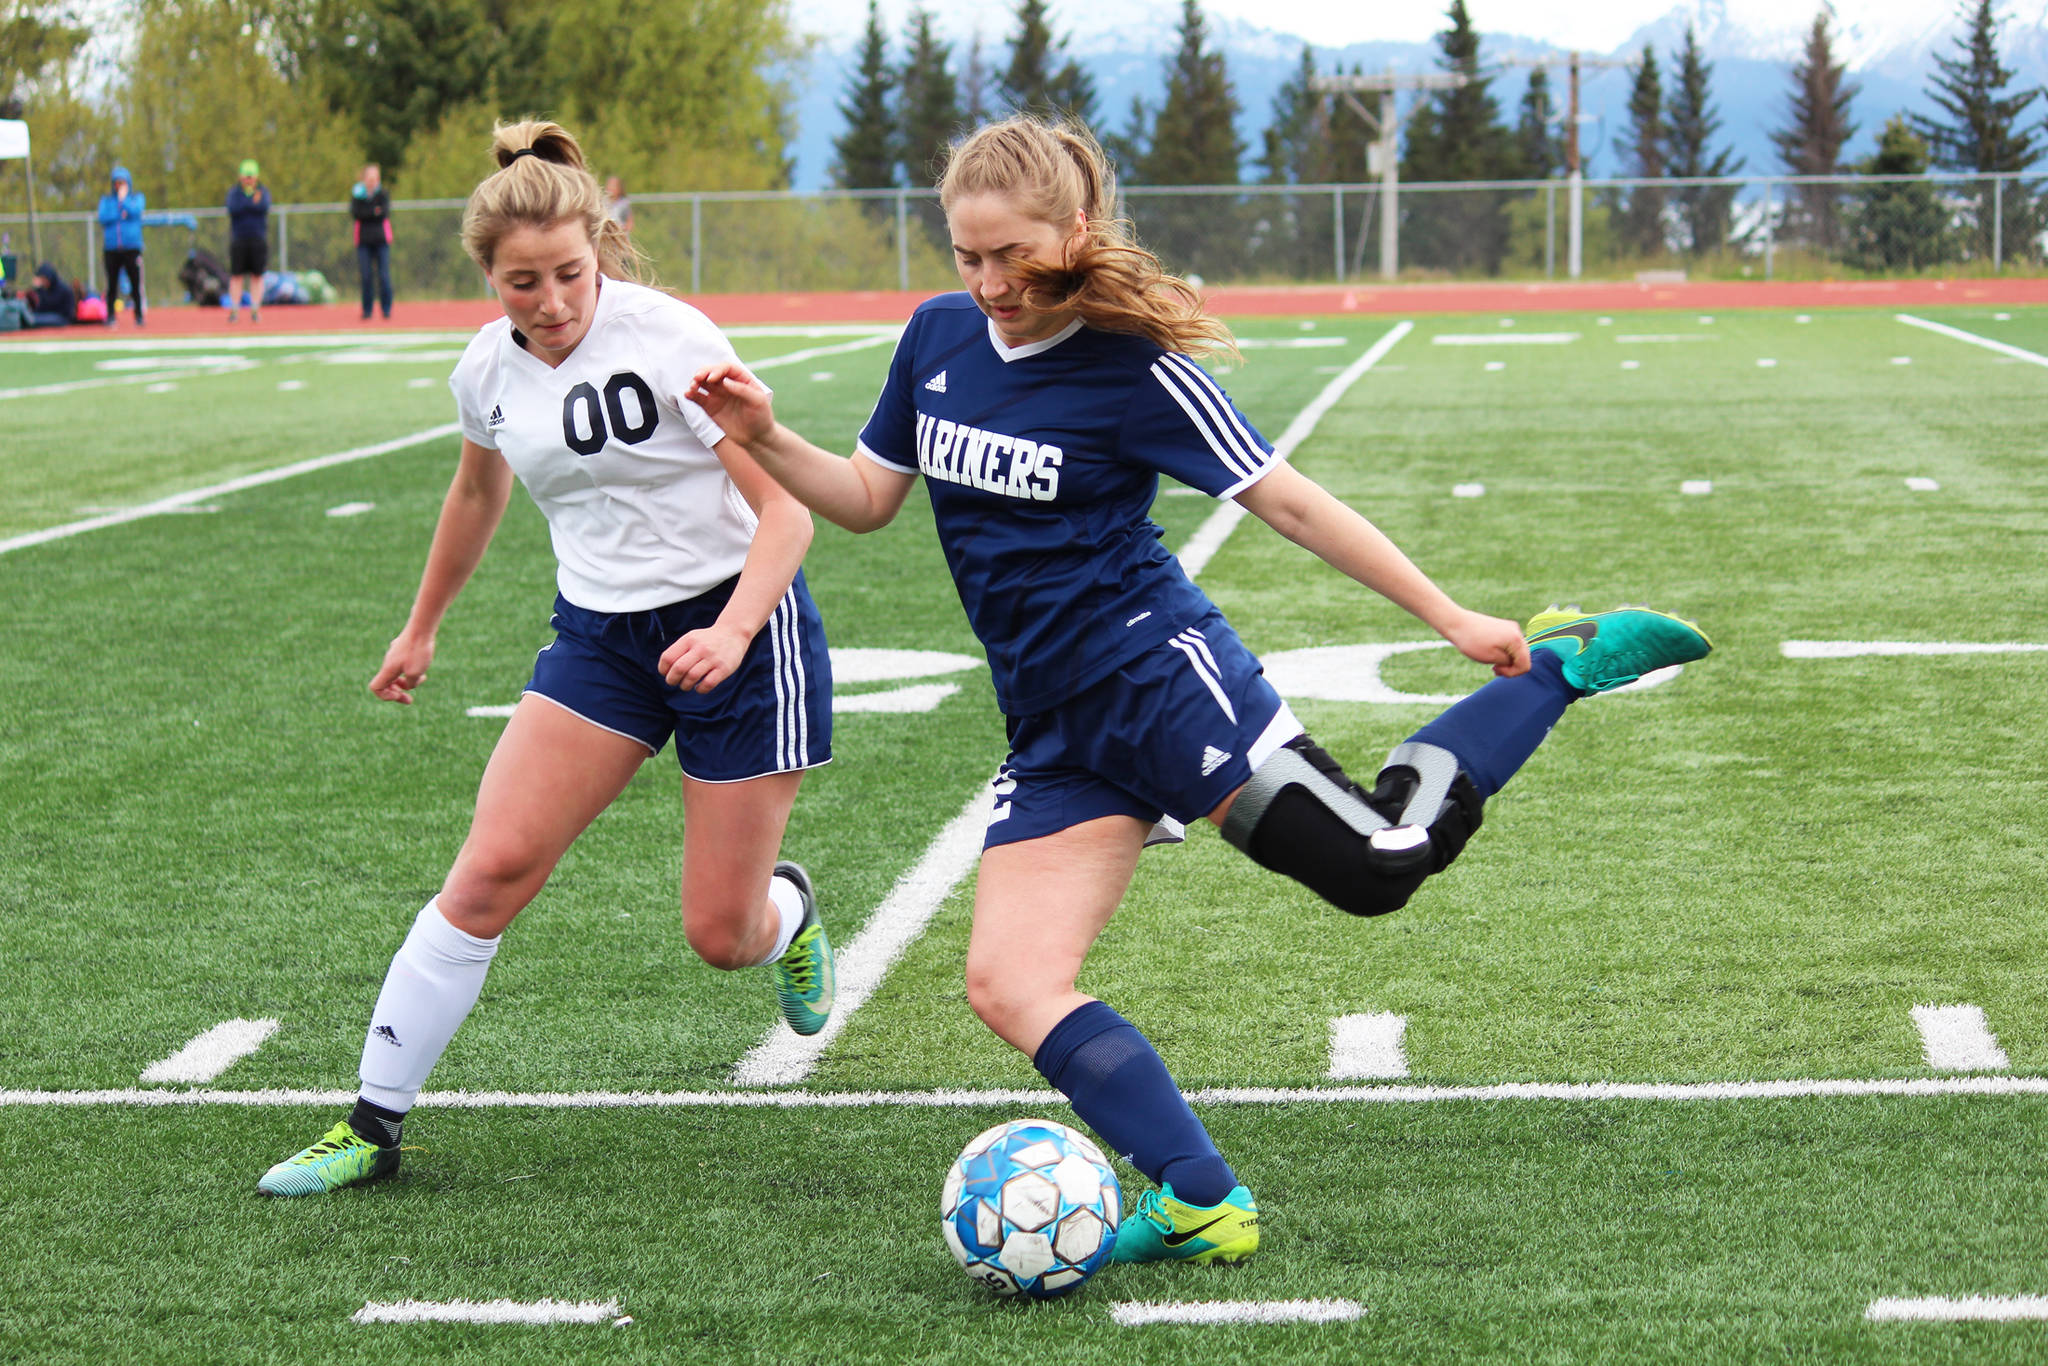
point(1365, 853)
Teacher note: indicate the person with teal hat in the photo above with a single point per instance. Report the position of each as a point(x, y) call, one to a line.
point(248, 238)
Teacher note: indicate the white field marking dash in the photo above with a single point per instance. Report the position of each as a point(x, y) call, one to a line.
point(167, 387)
point(820, 376)
point(1902, 360)
point(1367, 1046)
point(1138, 1313)
point(1631, 365)
point(351, 509)
point(1216, 528)
point(1968, 1309)
point(887, 338)
point(782, 1057)
point(500, 712)
point(286, 386)
point(487, 1311)
point(1289, 343)
point(2001, 317)
point(1766, 363)
point(1922, 484)
point(1496, 365)
point(1468, 490)
point(1659, 338)
point(150, 380)
point(420, 382)
point(213, 1052)
point(247, 481)
point(1697, 487)
point(918, 697)
point(1856, 649)
point(1957, 333)
point(1504, 339)
point(1958, 1039)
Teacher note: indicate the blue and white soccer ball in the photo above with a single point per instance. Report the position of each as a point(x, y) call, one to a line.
point(1031, 1208)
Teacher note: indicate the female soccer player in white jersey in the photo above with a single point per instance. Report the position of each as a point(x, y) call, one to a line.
point(680, 612)
point(1040, 406)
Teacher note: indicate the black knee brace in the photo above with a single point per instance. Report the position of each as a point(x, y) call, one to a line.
point(1365, 853)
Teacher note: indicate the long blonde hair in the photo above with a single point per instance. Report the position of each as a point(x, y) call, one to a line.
point(1051, 171)
point(553, 185)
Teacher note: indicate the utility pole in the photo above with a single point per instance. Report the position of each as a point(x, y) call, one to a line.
point(1574, 173)
point(1386, 146)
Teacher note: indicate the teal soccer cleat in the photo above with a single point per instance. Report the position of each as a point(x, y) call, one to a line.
point(342, 1158)
point(1162, 1227)
point(1604, 650)
point(803, 975)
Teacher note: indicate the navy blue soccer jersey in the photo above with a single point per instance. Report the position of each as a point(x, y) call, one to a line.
point(1043, 461)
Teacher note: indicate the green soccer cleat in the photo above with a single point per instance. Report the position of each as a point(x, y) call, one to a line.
point(803, 975)
point(342, 1158)
point(1603, 650)
point(1162, 1228)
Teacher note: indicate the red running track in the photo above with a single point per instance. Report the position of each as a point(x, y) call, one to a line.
point(892, 306)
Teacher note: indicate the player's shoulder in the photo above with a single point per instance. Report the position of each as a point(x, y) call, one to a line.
point(656, 312)
point(947, 315)
point(484, 349)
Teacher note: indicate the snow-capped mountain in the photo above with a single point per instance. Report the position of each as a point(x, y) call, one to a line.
point(1888, 45)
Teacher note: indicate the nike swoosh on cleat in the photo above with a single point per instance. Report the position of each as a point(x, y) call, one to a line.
point(1584, 630)
point(1177, 1239)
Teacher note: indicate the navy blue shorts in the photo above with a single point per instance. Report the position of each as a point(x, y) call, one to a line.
point(1165, 739)
point(772, 716)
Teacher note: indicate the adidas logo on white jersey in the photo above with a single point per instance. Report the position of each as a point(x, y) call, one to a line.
point(497, 417)
point(1212, 759)
point(937, 383)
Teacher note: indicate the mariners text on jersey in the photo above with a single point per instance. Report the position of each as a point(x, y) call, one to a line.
point(1014, 466)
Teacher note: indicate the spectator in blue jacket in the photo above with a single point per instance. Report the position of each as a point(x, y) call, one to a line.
point(248, 238)
point(121, 228)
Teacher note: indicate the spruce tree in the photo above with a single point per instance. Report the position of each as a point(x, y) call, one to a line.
point(927, 102)
point(1982, 129)
point(1704, 211)
point(1540, 151)
point(1294, 234)
point(1898, 225)
point(1812, 143)
point(974, 85)
point(1038, 80)
point(1194, 141)
point(866, 151)
point(1642, 221)
point(1457, 135)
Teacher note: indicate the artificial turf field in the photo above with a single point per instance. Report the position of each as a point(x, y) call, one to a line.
point(1748, 875)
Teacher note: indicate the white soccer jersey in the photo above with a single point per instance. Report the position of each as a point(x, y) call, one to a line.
point(640, 510)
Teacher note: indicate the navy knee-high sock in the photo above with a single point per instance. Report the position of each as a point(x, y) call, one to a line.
point(1121, 1090)
point(1495, 730)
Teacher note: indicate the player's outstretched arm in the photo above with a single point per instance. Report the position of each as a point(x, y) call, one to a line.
point(1309, 515)
point(856, 494)
point(469, 518)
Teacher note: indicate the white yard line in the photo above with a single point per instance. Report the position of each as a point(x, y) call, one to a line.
point(1213, 532)
point(487, 1311)
point(1367, 1046)
point(813, 352)
point(247, 481)
point(1917, 1088)
point(213, 1052)
point(1969, 1309)
point(783, 1058)
point(73, 386)
point(1957, 333)
point(1958, 1039)
point(1504, 339)
point(1137, 1313)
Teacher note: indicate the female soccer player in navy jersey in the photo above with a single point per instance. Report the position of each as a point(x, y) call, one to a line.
point(680, 612)
point(1041, 405)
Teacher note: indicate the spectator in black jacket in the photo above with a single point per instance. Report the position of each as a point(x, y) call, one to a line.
point(51, 302)
point(371, 207)
point(248, 238)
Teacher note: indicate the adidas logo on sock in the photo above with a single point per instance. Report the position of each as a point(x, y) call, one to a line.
point(497, 417)
point(1212, 759)
point(387, 1034)
point(937, 383)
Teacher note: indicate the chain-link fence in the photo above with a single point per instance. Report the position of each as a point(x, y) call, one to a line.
point(1761, 227)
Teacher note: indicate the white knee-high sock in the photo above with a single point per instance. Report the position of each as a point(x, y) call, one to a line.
point(433, 982)
point(789, 905)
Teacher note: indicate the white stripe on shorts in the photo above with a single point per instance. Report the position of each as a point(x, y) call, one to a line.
point(1191, 644)
point(792, 722)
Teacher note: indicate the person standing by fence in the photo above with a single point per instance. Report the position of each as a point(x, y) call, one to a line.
point(371, 208)
point(248, 238)
point(121, 238)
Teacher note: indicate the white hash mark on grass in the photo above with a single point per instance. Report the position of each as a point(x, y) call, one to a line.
point(487, 1311)
point(1957, 334)
point(1958, 1039)
point(1696, 487)
point(919, 697)
point(1468, 490)
point(351, 509)
point(1367, 1046)
point(1920, 483)
point(1139, 1313)
point(213, 1052)
point(1499, 339)
point(1968, 1309)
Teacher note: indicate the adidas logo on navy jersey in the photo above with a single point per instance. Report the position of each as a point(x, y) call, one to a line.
point(1212, 759)
point(937, 383)
point(497, 417)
